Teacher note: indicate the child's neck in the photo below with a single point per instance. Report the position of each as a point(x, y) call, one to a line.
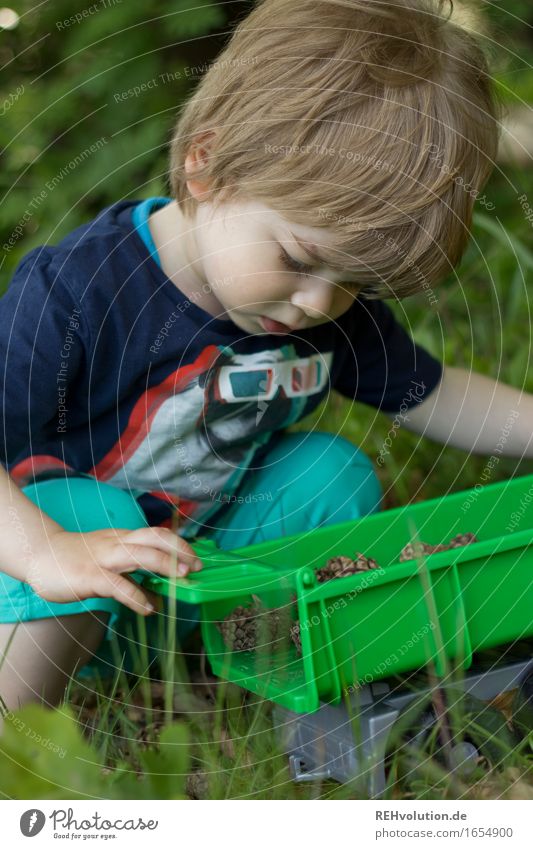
point(176, 245)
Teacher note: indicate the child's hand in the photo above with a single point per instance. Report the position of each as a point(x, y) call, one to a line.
point(76, 566)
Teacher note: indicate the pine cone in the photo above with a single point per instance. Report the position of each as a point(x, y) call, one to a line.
point(364, 564)
point(341, 567)
point(462, 539)
point(247, 628)
point(239, 629)
point(197, 786)
point(335, 567)
point(416, 549)
point(422, 549)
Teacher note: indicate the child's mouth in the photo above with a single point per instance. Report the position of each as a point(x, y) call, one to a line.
point(272, 326)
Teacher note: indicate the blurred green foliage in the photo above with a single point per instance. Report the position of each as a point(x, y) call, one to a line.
point(44, 755)
point(62, 91)
point(511, 48)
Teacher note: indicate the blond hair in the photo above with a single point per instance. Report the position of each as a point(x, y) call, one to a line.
point(374, 120)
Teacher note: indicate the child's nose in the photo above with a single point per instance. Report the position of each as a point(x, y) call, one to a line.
point(315, 302)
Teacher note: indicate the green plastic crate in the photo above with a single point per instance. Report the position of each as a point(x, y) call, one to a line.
point(371, 625)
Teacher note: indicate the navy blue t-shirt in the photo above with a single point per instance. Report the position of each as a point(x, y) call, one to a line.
point(110, 370)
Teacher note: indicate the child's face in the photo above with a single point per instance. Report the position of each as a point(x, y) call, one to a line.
point(259, 273)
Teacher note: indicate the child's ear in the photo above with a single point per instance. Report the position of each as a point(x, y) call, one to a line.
point(196, 159)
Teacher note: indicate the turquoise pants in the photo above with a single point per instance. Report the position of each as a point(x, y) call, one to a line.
point(306, 480)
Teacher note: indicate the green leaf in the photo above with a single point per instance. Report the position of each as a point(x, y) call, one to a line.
point(506, 239)
point(44, 756)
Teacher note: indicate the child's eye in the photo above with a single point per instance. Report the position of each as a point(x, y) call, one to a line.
point(294, 265)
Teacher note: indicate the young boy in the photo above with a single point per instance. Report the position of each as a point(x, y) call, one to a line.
point(155, 357)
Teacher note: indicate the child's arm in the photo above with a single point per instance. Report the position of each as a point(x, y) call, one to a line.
point(475, 413)
point(62, 566)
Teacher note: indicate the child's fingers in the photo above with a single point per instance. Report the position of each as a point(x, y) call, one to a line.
point(127, 558)
point(166, 540)
point(126, 591)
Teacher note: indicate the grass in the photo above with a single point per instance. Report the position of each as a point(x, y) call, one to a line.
point(234, 753)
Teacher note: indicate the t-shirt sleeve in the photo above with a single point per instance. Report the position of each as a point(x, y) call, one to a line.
point(380, 364)
point(41, 348)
